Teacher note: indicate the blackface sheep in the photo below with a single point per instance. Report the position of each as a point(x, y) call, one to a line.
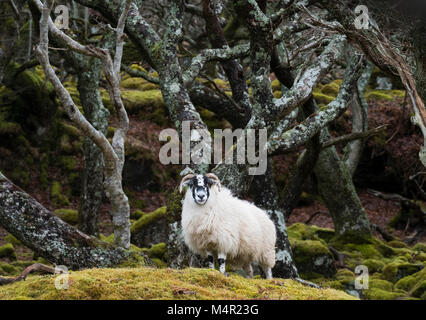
point(214, 222)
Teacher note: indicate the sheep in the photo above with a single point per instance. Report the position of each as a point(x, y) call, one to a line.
point(216, 222)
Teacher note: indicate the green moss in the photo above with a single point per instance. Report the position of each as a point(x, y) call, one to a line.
point(135, 101)
point(397, 93)
point(158, 250)
point(110, 132)
point(380, 294)
point(159, 263)
point(276, 85)
point(374, 265)
point(11, 239)
point(124, 283)
point(312, 256)
point(277, 94)
point(321, 98)
point(67, 163)
point(57, 196)
point(396, 270)
point(9, 128)
point(302, 231)
point(365, 250)
point(7, 269)
point(378, 95)
point(138, 84)
point(68, 215)
point(414, 284)
point(331, 89)
point(7, 251)
point(137, 214)
point(147, 219)
point(397, 244)
point(70, 130)
point(420, 247)
point(380, 284)
point(345, 273)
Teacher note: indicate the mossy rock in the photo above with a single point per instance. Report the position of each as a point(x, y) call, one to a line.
point(136, 101)
point(420, 247)
point(331, 89)
point(68, 215)
point(374, 265)
point(313, 257)
point(151, 228)
point(368, 251)
point(7, 251)
point(322, 98)
point(380, 284)
point(7, 269)
point(301, 231)
point(380, 294)
point(397, 244)
point(344, 273)
point(397, 270)
point(124, 283)
point(414, 284)
point(138, 84)
point(148, 218)
point(158, 250)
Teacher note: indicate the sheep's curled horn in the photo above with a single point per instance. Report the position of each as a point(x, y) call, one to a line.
point(184, 179)
point(216, 179)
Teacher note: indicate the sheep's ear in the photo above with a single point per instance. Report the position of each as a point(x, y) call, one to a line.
point(185, 181)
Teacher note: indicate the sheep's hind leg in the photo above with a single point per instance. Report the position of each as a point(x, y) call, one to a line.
point(221, 259)
point(210, 258)
point(249, 270)
point(268, 272)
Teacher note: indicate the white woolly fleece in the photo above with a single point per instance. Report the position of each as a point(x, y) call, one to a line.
point(226, 224)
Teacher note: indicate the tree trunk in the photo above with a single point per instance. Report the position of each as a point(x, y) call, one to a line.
point(353, 150)
point(303, 168)
point(338, 192)
point(266, 197)
point(93, 160)
point(50, 237)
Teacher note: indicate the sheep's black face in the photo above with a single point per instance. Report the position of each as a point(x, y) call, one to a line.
point(200, 187)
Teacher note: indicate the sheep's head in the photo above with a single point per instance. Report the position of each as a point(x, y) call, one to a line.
point(200, 186)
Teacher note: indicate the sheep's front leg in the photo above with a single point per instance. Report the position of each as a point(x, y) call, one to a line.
point(221, 259)
point(210, 258)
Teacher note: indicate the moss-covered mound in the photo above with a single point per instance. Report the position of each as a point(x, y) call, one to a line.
point(395, 270)
point(150, 283)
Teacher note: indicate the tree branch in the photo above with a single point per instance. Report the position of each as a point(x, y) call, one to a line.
point(307, 129)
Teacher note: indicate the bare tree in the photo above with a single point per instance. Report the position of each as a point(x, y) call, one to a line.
point(113, 152)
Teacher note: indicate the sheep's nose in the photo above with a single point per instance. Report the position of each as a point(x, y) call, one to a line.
point(201, 196)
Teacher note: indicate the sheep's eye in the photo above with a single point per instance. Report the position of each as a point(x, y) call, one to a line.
point(210, 182)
